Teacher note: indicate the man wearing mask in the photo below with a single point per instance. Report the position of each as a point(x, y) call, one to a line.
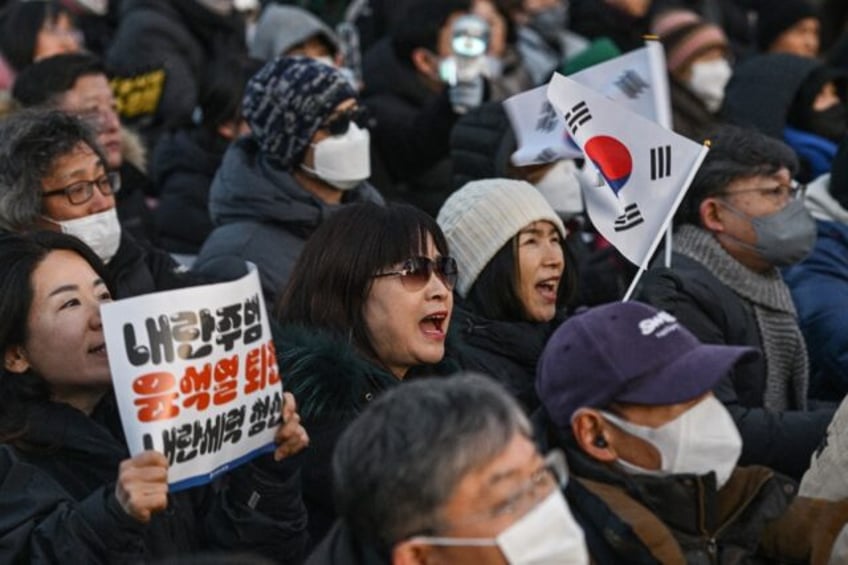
point(698, 68)
point(54, 176)
point(742, 220)
point(307, 154)
point(627, 393)
point(445, 471)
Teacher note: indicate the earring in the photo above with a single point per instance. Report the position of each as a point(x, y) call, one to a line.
point(600, 441)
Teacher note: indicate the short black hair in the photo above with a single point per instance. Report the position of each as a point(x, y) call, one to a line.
point(20, 22)
point(223, 89)
point(45, 81)
point(420, 28)
point(735, 153)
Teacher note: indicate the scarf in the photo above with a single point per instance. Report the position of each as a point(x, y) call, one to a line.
point(787, 373)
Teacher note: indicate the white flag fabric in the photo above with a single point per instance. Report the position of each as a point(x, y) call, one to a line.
point(539, 129)
point(637, 80)
point(646, 168)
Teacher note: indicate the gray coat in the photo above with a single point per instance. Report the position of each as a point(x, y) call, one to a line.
point(264, 216)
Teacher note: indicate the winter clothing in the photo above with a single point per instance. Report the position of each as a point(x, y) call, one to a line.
point(281, 28)
point(819, 286)
point(287, 101)
point(262, 215)
point(340, 545)
point(332, 383)
point(409, 145)
point(776, 17)
point(138, 268)
point(684, 518)
point(689, 115)
point(184, 164)
point(505, 351)
point(182, 38)
point(59, 500)
point(483, 216)
point(541, 56)
point(685, 37)
point(722, 302)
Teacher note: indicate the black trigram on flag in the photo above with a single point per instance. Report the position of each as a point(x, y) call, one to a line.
point(631, 84)
point(547, 118)
point(546, 155)
point(577, 116)
point(660, 162)
point(631, 218)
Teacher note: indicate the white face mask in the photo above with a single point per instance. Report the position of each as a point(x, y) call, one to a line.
point(561, 188)
point(701, 440)
point(343, 161)
point(546, 534)
point(708, 81)
point(101, 232)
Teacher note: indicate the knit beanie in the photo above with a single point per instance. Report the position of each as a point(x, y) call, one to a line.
point(777, 16)
point(483, 216)
point(286, 102)
point(281, 28)
point(685, 36)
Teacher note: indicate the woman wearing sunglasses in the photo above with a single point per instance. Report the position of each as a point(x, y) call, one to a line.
point(368, 305)
point(69, 490)
point(513, 278)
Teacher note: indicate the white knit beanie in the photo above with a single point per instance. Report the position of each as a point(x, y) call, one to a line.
point(483, 215)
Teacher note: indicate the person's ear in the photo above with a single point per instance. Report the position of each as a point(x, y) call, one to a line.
point(15, 359)
point(425, 62)
point(710, 214)
point(593, 435)
point(411, 552)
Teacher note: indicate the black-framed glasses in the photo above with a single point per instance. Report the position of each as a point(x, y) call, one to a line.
point(339, 122)
point(415, 272)
point(81, 192)
point(779, 193)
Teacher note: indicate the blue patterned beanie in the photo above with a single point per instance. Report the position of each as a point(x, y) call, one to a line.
point(287, 101)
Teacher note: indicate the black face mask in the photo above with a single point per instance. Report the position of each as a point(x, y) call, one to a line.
point(831, 123)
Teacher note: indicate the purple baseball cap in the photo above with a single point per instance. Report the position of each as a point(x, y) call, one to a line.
point(627, 352)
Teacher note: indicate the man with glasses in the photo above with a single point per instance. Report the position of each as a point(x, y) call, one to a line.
point(54, 176)
point(445, 471)
point(742, 221)
point(628, 394)
point(306, 155)
point(76, 83)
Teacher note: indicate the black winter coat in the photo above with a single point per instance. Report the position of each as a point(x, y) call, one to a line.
point(783, 441)
point(333, 383)
point(58, 500)
point(138, 268)
point(184, 164)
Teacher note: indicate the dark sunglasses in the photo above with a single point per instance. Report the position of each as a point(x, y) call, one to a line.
point(416, 272)
point(339, 123)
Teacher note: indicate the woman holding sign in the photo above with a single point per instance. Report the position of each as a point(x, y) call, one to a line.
point(69, 490)
point(368, 305)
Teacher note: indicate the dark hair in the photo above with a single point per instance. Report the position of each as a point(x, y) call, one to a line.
point(30, 142)
point(494, 295)
point(20, 22)
point(420, 28)
point(735, 153)
point(401, 460)
point(223, 89)
point(20, 255)
point(45, 81)
point(335, 270)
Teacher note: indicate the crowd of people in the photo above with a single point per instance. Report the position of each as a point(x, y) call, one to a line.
point(463, 381)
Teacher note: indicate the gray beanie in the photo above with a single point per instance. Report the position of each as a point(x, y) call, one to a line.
point(282, 27)
point(482, 216)
point(286, 102)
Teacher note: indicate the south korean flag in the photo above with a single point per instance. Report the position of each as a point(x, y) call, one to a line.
point(645, 168)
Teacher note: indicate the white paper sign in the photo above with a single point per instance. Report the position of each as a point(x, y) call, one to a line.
point(196, 377)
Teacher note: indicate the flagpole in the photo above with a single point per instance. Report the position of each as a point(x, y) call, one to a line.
point(662, 103)
point(667, 221)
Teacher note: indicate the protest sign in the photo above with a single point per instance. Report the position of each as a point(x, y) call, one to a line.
point(195, 375)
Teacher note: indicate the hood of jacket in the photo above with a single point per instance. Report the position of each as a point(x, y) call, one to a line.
point(248, 188)
point(762, 89)
point(187, 151)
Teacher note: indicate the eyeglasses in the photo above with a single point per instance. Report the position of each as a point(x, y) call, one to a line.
point(415, 273)
point(339, 123)
point(780, 193)
point(82, 191)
